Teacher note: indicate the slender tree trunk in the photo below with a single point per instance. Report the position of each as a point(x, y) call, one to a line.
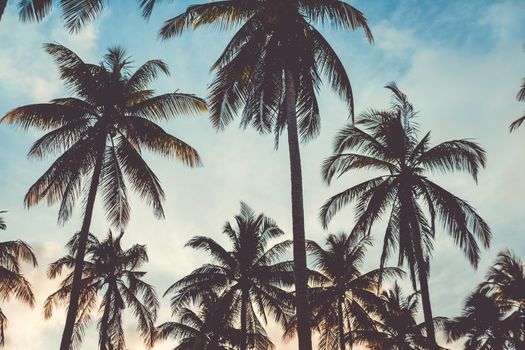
point(81, 252)
point(350, 334)
point(341, 325)
point(425, 294)
point(299, 245)
point(244, 326)
point(104, 325)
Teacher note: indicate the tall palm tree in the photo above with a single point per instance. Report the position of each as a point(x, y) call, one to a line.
point(75, 14)
point(343, 298)
point(12, 281)
point(396, 327)
point(209, 328)
point(271, 70)
point(389, 144)
point(248, 276)
point(521, 97)
point(113, 274)
point(100, 134)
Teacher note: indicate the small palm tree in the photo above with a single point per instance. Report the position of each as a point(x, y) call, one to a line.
point(392, 147)
point(210, 328)
point(521, 97)
point(494, 315)
point(248, 276)
point(485, 324)
point(99, 135)
point(75, 14)
point(113, 274)
point(12, 281)
point(396, 327)
point(271, 73)
point(343, 298)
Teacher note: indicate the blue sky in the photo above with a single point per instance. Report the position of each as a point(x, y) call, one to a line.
point(460, 62)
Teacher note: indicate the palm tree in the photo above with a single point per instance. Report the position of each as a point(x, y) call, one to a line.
point(503, 295)
point(113, 274)
point(75, 14)
point(485, 323)
point(100, 134)
point(247, 278)
point(209, 328)
point(343, 298)
point(391, 146)
point(271, 70)
point(396, 327)
point(520, 97)
point(12, 281)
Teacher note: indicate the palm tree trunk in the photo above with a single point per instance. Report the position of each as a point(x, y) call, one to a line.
point(299, 245)
point(244, 327)
point(104, 326)
point(425, 295)
point(81, 252)
point(341, 325)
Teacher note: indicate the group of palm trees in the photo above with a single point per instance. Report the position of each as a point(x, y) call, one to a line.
point(269, 74)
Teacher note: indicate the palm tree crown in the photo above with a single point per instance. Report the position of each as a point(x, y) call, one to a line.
point(494, 315)
point(391, 145)
point(211, 327)
point(12, 281)
point(248, 278)
point(112, 118)
point(343, 298)
point(114, 275)
point(521, 97)
point(396, 327)
point(75, 14)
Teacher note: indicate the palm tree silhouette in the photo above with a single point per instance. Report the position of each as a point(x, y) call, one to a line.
point(113, 274)
point(494, 315)
point(396, 327)
point(75, 14)
point(391, 145)
point(342, 297)
point(520, 97)
point(100, 134)
point(248, 276)
point(210, 328)
point(12, 281)
point(484, 323)
point(271, 70)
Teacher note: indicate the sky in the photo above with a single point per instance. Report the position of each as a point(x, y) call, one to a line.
point(460, 63)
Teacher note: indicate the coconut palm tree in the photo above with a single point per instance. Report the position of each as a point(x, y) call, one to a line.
point(114, 275)
point(494, 315)
point(99, 135)
point(520, 97)
point(12, 281)
point(248, 276)
point(396, 327)
point(485, 323)
point(75, 14)
point(404, 195)
point(271, 70)
point(342, 298)
point(209, 328)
